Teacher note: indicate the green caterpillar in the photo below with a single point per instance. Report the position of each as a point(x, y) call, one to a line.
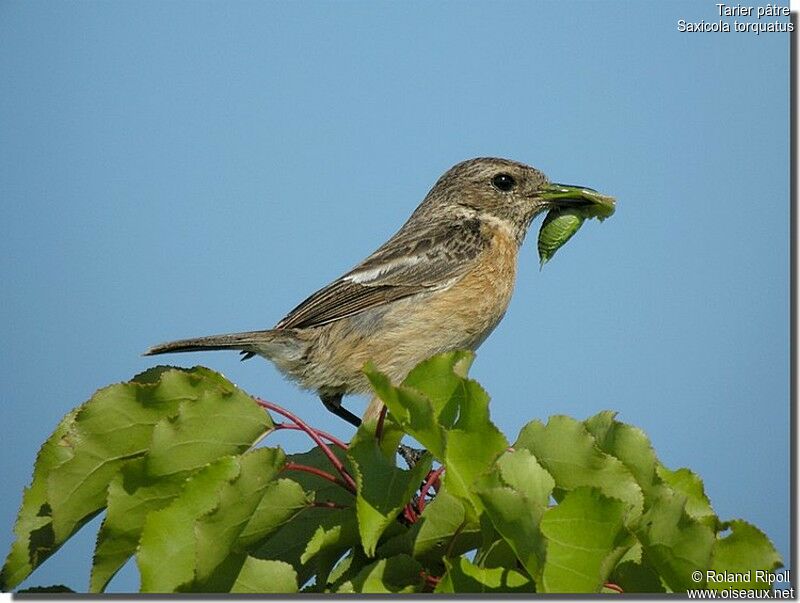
point(558, 227)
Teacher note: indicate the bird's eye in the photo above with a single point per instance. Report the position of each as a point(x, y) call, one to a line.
point(504, 182)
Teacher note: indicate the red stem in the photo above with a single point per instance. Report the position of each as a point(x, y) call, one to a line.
point(433, 478)
point(379, 426)
point(350, 484)
point(612, 586)
point(332, 439)
point(314, 471)
point(431, 581)
point(410, 514)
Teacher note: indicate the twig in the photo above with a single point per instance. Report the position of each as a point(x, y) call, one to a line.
point(379, 426)
point(612, 586)
point(430, 580)
point(337, 464)
point(410, 514)
point(456, 534)
point(314, 471)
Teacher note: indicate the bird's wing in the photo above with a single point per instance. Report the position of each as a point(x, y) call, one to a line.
point(413, 261)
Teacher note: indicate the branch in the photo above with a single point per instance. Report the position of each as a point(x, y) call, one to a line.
point(312, 433)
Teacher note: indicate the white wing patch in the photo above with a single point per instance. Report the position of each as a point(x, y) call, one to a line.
point(365, 277)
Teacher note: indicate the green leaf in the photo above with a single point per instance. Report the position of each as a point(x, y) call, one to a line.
point(398, 539)
point(184, 545)
point(347, 568)
point(260, 576)
point(327, 545)
point(441, 380)
point(391, 434)
point(583, 535)
point(38, 590)
point(35, 540)
point(289, 542)
point(168, 547)
point(633, 577)
point(88, 450)
point(473, 444)
point(169, 454)
point(516, 520)
point(399, 574)
point(217, 532)
point(110, 429)
point(465, 577)
point(444, 529)
point(118, 424)
point(567, 450)
point(327, 539)
point(383, 488)
point(515, 496)
point(220, 421)
point(494, 550)
point(691, 486)
point(411, 409)
point(627, 443)
point(520, 470)
point(114, 426)
point(282, 500)
point(745, 552)
point(674, 543)
point(132, 494)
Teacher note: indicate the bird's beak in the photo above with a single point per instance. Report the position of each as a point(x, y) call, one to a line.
point(568, 195)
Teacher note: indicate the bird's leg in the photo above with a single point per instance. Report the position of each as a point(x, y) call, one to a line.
point(334, 404)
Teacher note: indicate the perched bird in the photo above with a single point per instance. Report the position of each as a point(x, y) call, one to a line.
point(442, 282)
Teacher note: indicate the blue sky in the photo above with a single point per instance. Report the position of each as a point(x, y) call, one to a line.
point(172, 169)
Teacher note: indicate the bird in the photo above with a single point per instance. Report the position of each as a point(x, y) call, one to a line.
point(442, 282)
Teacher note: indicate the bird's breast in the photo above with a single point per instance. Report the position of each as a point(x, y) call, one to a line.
point(475, 304)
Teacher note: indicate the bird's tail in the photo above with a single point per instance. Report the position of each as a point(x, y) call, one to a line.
point(271, 343)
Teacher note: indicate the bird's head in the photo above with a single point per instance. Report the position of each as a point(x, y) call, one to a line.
point(509, 193)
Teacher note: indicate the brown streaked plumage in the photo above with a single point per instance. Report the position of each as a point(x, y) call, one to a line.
point(442, 282)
